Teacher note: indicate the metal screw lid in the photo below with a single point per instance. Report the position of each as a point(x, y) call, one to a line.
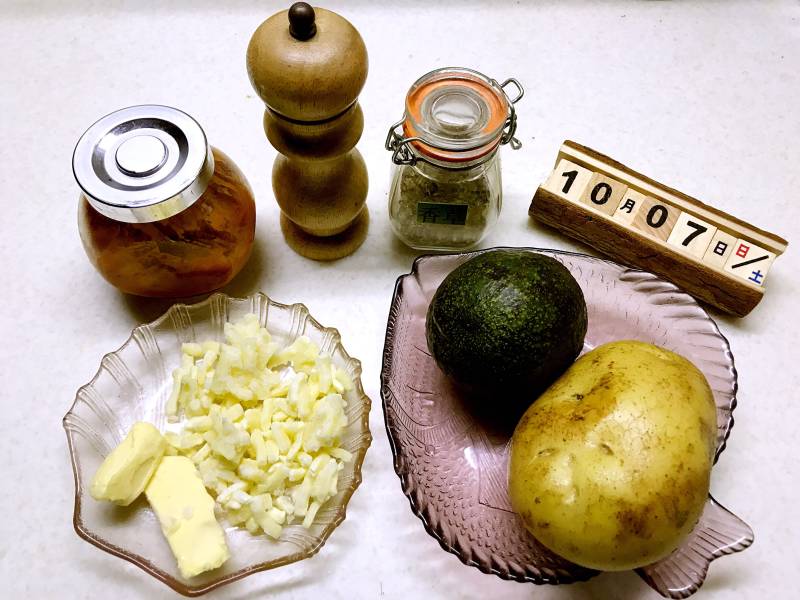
point(143, 163)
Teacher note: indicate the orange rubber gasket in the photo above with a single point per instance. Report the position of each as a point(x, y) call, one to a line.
point(495, 101)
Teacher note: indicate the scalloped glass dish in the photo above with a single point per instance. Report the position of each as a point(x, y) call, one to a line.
point(133, 383)
point(453, 470)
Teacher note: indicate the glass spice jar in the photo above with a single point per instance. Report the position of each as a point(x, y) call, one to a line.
point(162, 214)
point(446, 191)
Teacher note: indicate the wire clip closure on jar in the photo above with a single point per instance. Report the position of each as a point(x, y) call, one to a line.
point(455, 117)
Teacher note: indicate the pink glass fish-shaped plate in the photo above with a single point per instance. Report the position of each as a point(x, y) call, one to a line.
point(453, 470)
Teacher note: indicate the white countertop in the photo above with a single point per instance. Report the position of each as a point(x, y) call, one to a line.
point(701, 96)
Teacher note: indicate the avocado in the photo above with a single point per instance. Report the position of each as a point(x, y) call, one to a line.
point(507, 322)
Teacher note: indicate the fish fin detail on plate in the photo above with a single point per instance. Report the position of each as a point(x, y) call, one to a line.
point(719, 532)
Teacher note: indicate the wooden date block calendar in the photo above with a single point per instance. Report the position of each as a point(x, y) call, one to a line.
point(638, 221)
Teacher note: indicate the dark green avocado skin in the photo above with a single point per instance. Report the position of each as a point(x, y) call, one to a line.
point(507, 322)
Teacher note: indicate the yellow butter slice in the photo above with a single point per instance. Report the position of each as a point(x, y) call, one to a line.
point(186, 514)
point(126, 471)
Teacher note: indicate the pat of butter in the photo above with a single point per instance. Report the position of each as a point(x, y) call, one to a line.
point(186, 513)
point(126, 471)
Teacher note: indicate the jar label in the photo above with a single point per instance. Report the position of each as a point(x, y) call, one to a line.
point(436, 213)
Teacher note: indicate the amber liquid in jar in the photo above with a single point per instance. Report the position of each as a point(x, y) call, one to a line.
point(193, 252)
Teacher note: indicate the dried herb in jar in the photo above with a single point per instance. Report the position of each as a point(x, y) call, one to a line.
point(442, 208)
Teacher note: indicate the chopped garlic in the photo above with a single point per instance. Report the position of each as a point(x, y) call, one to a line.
point(263, 425)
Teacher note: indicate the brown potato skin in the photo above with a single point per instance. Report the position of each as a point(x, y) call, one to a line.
point(610, 467)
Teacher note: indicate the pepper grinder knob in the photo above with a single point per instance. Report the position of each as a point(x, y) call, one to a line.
point(301, 21)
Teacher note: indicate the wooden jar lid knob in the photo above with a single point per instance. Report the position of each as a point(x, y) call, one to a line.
point(307, 64)
point(301, 21)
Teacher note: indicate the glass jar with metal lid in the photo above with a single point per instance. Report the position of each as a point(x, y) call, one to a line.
point(446, 190)
point(162, 213)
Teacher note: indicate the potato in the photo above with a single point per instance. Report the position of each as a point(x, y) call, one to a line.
point(610, 467)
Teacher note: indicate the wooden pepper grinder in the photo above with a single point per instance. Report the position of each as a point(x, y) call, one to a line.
point(308, 66)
